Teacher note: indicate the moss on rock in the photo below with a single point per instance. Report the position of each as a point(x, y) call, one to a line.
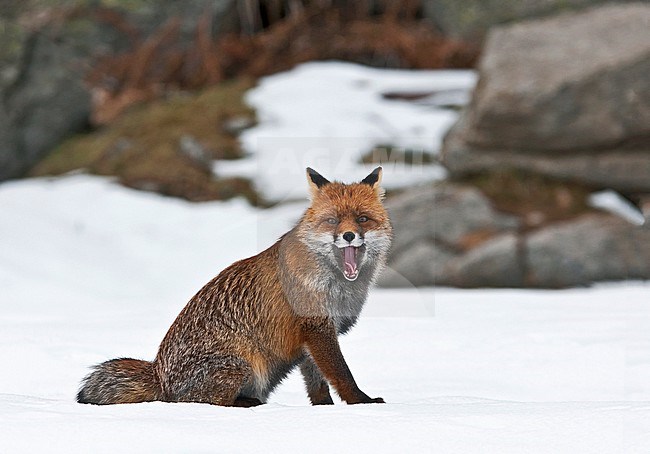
point(166, 146)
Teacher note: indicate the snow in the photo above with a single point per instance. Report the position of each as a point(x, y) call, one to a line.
point(615, 203)
point(327, 115)
point(90, 271)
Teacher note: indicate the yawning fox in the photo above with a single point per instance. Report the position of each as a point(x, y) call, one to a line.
point(247, 328)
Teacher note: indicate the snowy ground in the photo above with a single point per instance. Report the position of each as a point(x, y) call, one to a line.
point(91, 271)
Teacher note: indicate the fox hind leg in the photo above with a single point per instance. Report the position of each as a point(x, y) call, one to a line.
point(243, 401)
point(217, 380)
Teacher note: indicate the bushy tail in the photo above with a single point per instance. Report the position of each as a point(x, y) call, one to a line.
point(120, 381)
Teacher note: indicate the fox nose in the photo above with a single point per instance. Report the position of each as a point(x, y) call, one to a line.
point(348, 236)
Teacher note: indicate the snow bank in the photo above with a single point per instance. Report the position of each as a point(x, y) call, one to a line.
point(326, 115)
point(615, 203)
point(91, 271)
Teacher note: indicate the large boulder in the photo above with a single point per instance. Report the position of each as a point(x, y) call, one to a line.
point(43, 98)
point(593, 248)
point(47, 103)
point(448, 214)
point(434, 224)
point(498, 262)
point(567, 97)
point(471, 19)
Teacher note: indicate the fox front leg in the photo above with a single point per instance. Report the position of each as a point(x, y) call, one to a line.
point(323, 346)
point(317, 388)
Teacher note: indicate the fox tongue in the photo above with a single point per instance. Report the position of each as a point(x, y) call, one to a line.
point(350, 260)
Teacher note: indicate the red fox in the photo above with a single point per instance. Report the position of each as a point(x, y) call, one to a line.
point(247, 328)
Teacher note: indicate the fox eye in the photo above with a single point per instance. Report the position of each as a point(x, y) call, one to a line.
point(361, 219)
point(332, 221)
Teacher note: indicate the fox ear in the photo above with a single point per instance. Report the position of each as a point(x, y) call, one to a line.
point(315, 180)
point(374, 180)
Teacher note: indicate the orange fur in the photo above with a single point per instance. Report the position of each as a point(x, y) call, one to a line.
point(248, 327)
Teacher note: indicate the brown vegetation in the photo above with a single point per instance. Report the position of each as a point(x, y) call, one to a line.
point(273, 38)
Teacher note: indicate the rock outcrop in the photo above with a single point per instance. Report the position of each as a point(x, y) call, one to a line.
point(592, 248)
point(567, 97)
point(448, 234)
point(435, 225)
point(564, 99)
point(46, 103)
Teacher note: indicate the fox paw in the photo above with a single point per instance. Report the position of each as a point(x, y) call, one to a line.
point(246, 402)
point(369, 400)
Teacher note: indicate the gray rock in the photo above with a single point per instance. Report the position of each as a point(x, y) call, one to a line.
point(418, 265)
point(236, 125)
point(443, 213)
point(43, 98)
point(448, 234)
point(191, 148)
point(434, 224)
point(571, 82)
point(625, 170)
point(12, 43)
point(9, 165)
point(567, 96)
point(47, 103)
point(495, 263)
point(594, 248)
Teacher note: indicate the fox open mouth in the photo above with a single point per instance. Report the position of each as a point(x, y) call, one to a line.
point(350, 270)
